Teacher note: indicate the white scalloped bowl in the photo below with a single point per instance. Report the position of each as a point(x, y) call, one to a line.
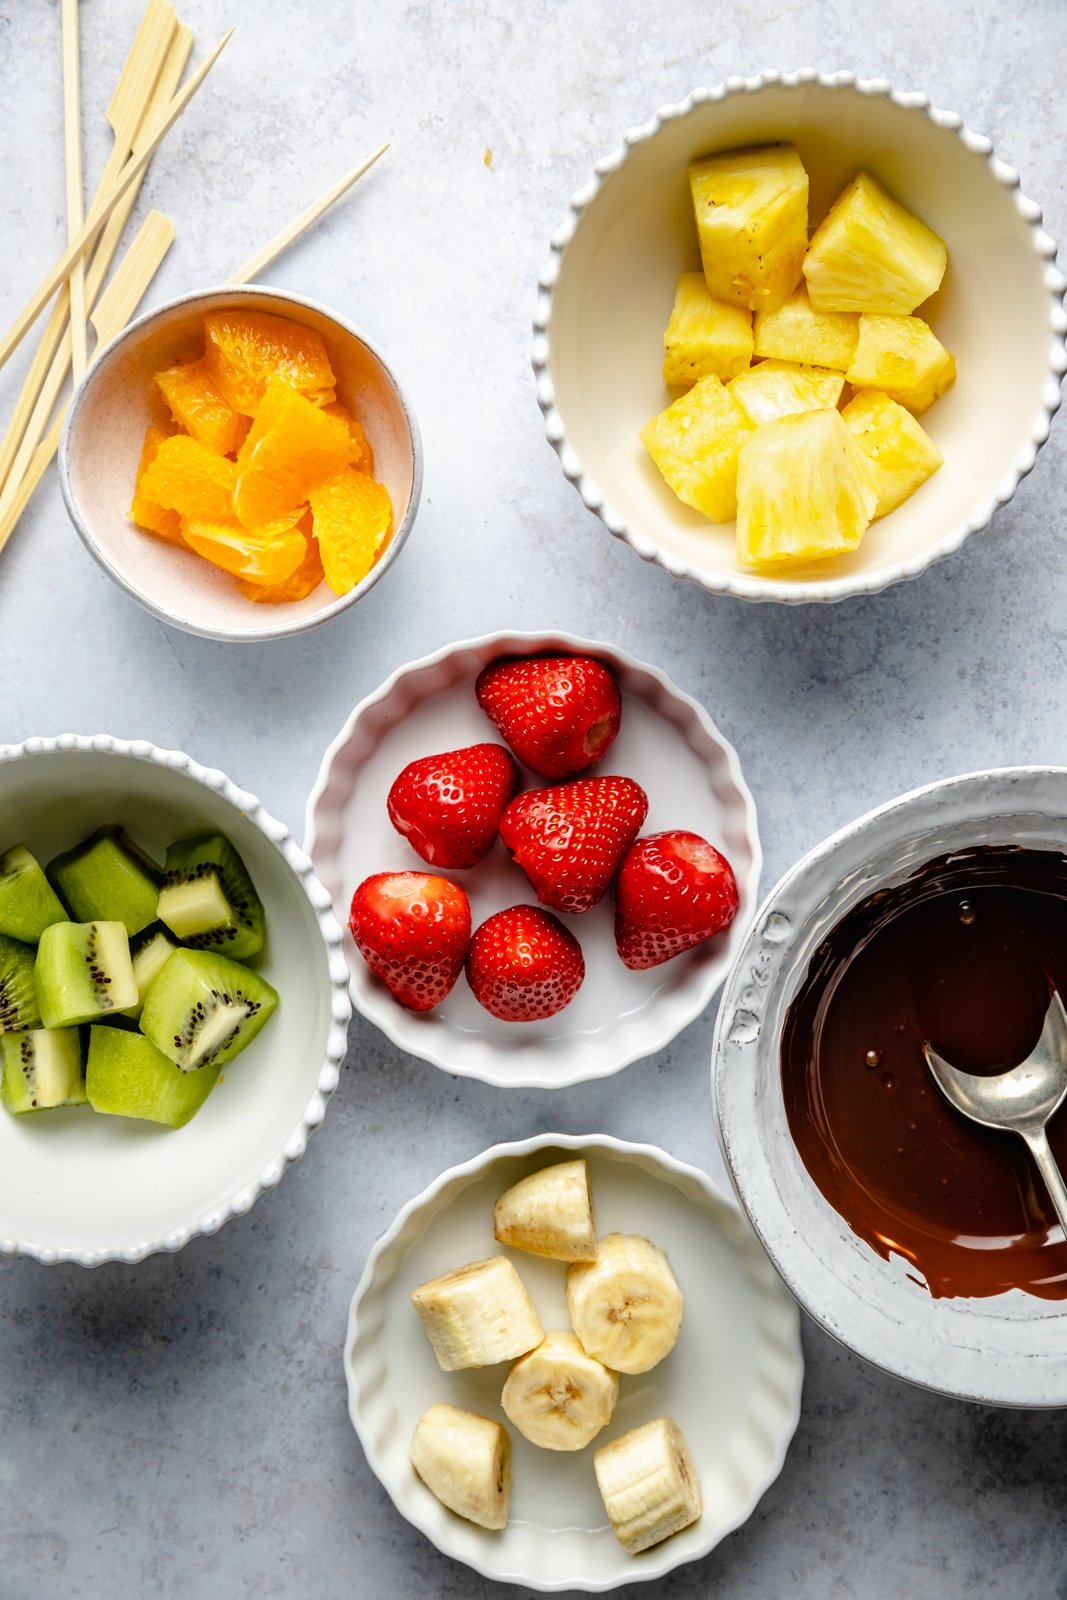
point(76, 1186)
point(101, 446)
point(607, 290)
point(1004, 1350)
point(667, 742)
point(732, 1382)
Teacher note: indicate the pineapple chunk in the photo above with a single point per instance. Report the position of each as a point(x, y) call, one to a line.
point(797, 332)
point(903, 358)
point(779, 388)
point(900, 450)
point(704, 335)
point(870, 254)
point(805, 491)
point(695, 442)
point(751, 211)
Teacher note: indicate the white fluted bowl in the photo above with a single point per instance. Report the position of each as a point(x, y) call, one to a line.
point(732, 1382)
point(606, 293)
point(77, 1186)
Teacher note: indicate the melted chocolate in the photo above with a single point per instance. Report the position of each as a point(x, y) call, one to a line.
point(962, 954)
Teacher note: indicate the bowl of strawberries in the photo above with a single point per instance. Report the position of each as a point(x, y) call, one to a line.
point(545, 853)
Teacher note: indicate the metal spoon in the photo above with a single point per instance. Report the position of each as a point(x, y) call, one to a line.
point(1023, 1100)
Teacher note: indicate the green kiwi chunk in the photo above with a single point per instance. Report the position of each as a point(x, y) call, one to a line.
point(84, 972)
point(28, 903)
point(107, 878)
point(41, 1069)
point(150, 953)
point(126, 1076)
point(18, 992)
point(203, 1009)
point(208, 900)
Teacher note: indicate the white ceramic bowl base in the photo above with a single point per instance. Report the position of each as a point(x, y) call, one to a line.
point(609, 288)
point(732, 1382)
point(666, 742)
point(1007, 1349)
point(78, 1185)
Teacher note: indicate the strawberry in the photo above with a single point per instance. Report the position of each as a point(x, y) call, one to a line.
point(559, 714)
point(449, 807)
point(674, 891)
point(524, 965)
point(569, 840)
point(412, 930)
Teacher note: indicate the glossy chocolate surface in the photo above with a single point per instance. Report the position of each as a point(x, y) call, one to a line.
point(962, 954)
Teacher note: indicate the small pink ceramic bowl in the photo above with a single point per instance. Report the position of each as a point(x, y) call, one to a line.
point(101, 446)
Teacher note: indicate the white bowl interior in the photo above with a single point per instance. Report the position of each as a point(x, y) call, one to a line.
point(72, 1181)
point(616, 287)
point(732, 1382)
point(103, 446)
point(1007, 1349)
point(693, 781)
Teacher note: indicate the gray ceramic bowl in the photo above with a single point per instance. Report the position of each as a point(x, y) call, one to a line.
point(104, 432)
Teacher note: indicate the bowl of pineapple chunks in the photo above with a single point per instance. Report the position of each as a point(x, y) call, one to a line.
point(173, 1000)
point(800, 337)
point(242, 462)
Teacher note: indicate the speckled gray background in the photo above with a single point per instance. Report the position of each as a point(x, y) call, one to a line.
point(180, 1429)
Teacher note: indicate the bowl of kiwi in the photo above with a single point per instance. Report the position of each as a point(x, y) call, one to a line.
point(173, 1000)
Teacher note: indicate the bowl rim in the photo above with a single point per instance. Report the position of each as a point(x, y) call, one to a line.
point(272, 629)
point(330, 934)
point(748, 586)
point(652, 1156)
point(779, 1233)
point(509, 641)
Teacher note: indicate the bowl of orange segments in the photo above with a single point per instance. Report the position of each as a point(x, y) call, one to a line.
point(242, 462)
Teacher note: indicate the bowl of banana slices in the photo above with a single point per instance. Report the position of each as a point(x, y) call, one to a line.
point(571, 1365)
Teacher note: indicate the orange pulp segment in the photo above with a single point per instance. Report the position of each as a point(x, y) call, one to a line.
point(197, 406)
point(246, 349)
point(243, 552)
point(189, 478)
point(362, 454)
point(351, 516)
point(298, 585)
point(146, 513)
point(293, 445)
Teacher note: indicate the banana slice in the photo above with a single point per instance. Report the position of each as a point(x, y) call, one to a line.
point(550, 1213)
point(557, 1396)
point(626, 1306)
point(465, 1460)
point(478, 1315)
point(648, 1484)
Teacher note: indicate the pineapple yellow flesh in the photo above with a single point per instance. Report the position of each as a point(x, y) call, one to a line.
point(695, 445)
point(704, 335)
point(478, 1315)
point(805, 491)
point(870, 254)
point(901, 452)
point(797, 332)
point(778, 388)
point(751, 209)
point(903, 358)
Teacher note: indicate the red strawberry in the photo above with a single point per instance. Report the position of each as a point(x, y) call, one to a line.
point(523, 965)
point(412, 930)
point(674, 891)
point(449, 807)
point(570, 840)
point(559, 714)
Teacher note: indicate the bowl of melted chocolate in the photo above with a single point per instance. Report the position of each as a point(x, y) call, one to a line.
point(924, 1241)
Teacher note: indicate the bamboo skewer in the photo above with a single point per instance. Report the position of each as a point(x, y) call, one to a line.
point(99, 214)
point(281, 241)
point(75, 201)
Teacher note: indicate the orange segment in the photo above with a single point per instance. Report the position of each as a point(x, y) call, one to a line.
point(351, 516)
point(243, 552)
point(292, 446)
point(146, 513)
point(189, 478)
point(246, 349)
point(304, 580)
point(362, 454)
point(197, 406)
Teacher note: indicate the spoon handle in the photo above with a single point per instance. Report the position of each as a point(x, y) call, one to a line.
point(1050, 1172)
